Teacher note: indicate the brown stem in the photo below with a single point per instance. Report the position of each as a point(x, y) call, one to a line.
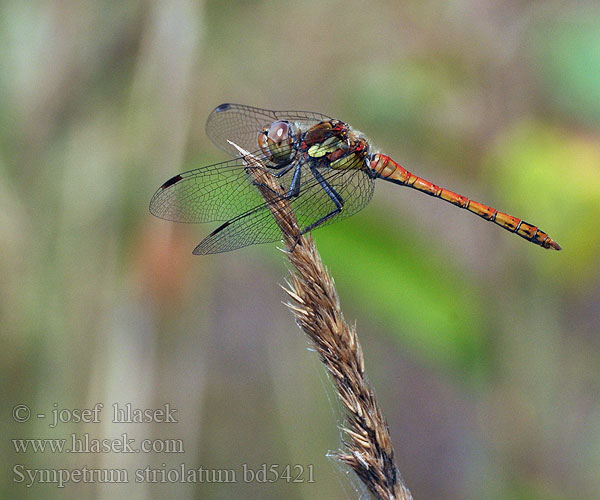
point(316, 307)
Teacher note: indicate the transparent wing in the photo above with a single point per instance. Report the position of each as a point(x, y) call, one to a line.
point(313, 203)
point(255, 226)
point(212, 193)
point(241, 124)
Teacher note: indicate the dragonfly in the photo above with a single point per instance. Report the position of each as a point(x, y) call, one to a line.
point(325, 168)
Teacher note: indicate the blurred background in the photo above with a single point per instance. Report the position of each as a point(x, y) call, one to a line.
point(484, 349)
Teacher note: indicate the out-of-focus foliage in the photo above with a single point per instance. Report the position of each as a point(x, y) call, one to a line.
point(556, 173)
point(568, 54)
point(432, 307)
point(483, 348)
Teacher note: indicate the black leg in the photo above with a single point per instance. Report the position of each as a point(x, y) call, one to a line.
point(294, 186)
point(333, 194)
point(284, 170)
point(335, 197)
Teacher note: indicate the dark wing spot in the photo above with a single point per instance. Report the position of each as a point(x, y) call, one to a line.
point(219, 229)
point(201, 247)
point(171, 181)
point(223, 107)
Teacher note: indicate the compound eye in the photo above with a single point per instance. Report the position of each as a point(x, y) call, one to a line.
point(276, 141)
point(262, 140)
point(279, 131)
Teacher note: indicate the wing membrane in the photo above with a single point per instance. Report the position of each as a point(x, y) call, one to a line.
point(259, 226)
point(241, 124)
point(212, 193)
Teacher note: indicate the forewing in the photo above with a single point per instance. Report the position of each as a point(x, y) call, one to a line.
point(212, 193)
point(241, 124)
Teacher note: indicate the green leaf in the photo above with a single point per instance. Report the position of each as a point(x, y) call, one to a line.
point(408, 289)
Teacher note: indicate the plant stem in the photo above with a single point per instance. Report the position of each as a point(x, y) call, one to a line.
point(367, 447)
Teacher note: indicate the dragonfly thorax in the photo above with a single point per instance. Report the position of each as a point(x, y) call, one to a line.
point(336, 145)
point(276, 142)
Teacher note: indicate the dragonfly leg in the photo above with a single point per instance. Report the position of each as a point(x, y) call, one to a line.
point(294, 186)
point(283, 170)
point(335, 197)
point(333, 194)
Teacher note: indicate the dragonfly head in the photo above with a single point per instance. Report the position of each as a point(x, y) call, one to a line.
point(276, 141)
